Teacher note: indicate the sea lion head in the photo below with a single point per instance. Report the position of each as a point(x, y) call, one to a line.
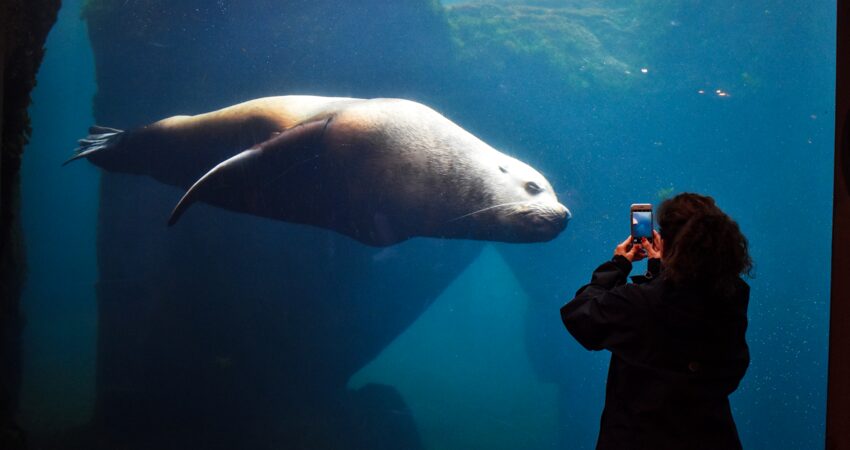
point(513, 202)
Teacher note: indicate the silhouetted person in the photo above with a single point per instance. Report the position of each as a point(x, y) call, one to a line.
point(676, 336)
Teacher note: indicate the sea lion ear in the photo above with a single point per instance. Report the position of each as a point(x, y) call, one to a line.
point(241, 174)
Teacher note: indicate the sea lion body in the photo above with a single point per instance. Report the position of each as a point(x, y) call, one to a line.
point(378, 170)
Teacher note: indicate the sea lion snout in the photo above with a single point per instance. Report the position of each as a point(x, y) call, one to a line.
point(537, 222)
point(556, 217)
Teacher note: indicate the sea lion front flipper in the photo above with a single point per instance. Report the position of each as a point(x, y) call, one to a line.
point(266, 160)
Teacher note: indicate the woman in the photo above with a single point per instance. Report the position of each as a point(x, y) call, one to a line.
point(676, 336)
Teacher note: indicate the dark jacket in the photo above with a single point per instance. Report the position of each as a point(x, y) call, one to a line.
point(677, 352)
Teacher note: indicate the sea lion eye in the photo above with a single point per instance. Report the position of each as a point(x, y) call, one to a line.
point(503, 168)
point(533, 188)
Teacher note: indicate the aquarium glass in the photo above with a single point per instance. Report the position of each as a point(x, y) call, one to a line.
point(230, 330)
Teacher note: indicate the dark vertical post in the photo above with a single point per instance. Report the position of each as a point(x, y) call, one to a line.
point(838, 398)
point(24, 25)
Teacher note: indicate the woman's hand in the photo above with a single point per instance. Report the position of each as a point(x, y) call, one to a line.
point(655, 248)
point(629, 251)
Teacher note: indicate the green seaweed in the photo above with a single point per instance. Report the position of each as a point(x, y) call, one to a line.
point(579, 46)
point(665, 193)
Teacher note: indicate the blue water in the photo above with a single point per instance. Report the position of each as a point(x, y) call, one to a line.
point(736, 101)
point(59, 216)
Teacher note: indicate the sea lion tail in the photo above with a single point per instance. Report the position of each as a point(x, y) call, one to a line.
point(99, 138)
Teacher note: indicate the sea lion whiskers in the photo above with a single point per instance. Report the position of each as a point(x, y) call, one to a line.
point(486, 209)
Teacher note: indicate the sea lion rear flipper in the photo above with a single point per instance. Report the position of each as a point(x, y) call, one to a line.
point(99, 138)
point(266, 160)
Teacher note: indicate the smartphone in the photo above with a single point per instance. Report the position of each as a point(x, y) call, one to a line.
point(641, 218)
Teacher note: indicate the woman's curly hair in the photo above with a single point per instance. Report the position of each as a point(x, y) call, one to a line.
point(702, 245)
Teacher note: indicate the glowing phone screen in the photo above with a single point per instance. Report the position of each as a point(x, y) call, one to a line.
point(641, 224)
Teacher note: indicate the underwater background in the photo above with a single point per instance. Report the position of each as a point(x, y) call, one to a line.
point(231, 331)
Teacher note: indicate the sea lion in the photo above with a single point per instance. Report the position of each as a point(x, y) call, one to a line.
point(379, 170)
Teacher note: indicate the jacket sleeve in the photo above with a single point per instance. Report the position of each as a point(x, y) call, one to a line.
point(607, 313)
point(652, 272)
